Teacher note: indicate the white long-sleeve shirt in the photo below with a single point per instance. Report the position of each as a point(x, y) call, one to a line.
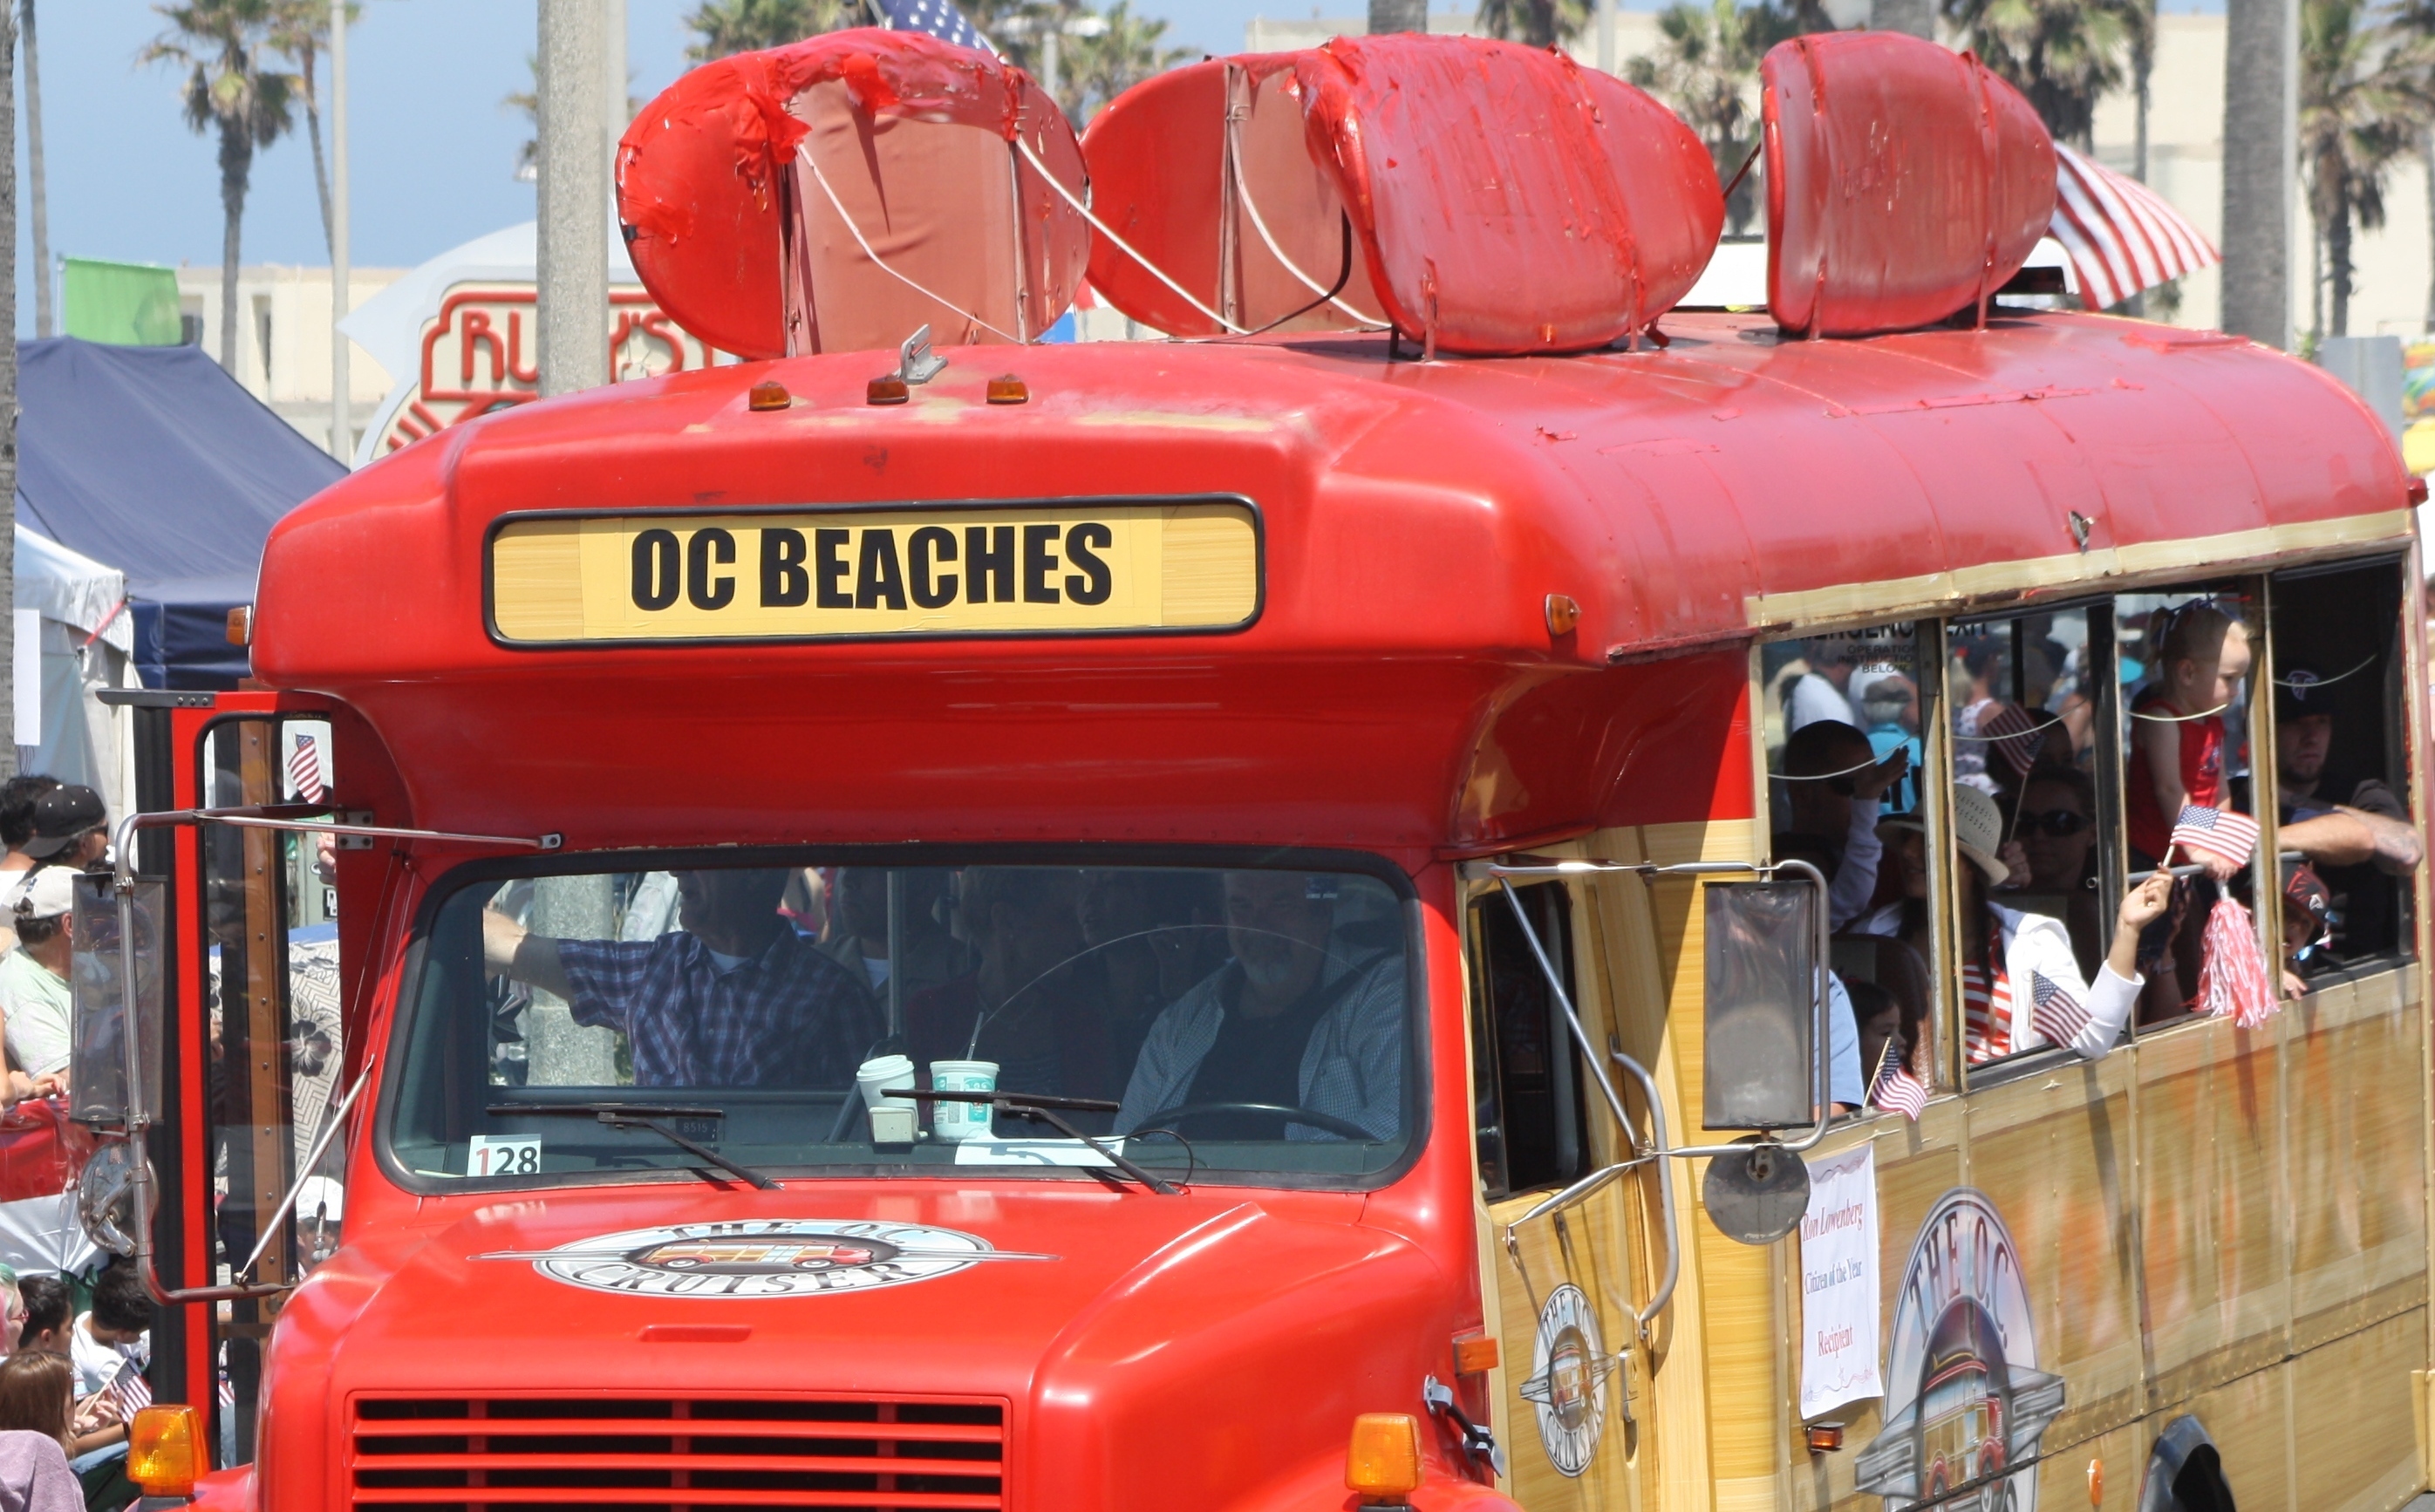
point(1856, 875)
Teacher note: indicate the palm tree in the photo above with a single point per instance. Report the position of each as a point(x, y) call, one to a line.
point(2062, 54)
point(1706, 68)
point(1104, 60)
point(2363, 105)
point(2413, 26)
point(300, 29)
point(725, 26)
point(1536, 22)
point(220, 43)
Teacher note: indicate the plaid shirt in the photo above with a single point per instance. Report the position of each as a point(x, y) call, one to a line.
point(791, 1018)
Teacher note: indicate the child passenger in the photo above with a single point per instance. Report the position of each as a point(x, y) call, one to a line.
point(2177, 757)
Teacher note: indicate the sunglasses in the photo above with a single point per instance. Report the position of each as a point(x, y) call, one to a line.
point(2060, 823)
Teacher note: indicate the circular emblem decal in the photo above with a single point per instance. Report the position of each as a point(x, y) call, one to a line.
point(1965, 1403)
point(1568, 1370)
point(783, 1257)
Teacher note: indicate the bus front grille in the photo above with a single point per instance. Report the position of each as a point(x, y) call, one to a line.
point(682, 1454)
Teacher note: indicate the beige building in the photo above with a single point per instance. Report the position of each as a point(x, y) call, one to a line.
point(283, 352)
point(2395, 262)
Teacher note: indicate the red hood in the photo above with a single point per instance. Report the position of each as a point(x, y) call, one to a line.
point(1112, 1352)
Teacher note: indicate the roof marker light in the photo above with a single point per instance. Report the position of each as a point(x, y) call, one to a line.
point(770, 394)
point(1007, 390)
point(887, 389)
point(1564, 613)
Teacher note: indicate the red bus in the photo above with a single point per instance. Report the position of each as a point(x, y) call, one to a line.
point(1286, 789)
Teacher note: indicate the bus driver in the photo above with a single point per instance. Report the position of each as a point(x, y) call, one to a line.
point(1298, 1018)
point(734, 998)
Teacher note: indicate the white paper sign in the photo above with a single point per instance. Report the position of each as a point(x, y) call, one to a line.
point(1839, 1282)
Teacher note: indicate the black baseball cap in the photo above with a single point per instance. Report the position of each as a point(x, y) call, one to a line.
point(2299, 692)
point(63, 815)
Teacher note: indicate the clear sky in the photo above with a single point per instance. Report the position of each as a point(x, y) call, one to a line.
point(433, 149)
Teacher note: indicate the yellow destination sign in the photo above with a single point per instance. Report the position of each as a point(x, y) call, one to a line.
point(1044, 569)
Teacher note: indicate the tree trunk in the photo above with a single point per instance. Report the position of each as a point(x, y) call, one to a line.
point(2337, 264)
point(237, 164)
point(313, 130)
point(2426, 156)
point(2260, 95)
point(38, 202)
point(9, 387)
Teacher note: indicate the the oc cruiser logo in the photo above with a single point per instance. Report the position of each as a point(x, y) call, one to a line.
point(785, 1257)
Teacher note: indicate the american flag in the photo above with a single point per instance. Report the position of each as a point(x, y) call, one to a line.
point(2121, 237)
point(127, 1393)
point(2055, 1011)
point(305, 771)
point(2221, 832)
point(940, 18)
point(1896, 1090)
point(2012, 735)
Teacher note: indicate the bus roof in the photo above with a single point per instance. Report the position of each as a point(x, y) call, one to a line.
point(1400, 686)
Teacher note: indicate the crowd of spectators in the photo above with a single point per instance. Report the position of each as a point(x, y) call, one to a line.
point(70, 1382)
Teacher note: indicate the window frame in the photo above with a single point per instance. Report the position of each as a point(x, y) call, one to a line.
point(2399, 755)
point(395, 1029)
point(1480, 1021)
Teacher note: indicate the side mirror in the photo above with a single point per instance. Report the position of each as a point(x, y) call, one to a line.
point(105, 993)
point(1762, 1006)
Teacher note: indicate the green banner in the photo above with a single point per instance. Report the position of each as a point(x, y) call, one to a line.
point(125, 304)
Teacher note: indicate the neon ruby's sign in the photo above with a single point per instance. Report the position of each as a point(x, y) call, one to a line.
point(482, 354)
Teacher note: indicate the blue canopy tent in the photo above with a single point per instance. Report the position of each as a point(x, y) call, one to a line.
point(155, 461)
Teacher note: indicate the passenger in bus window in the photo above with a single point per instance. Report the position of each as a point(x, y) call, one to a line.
point(857, 930)
point(1301, 1017)
point(1834, 781)
point(2021, 984)
point(2350, 826)
point(1023, 1004)
point(1977, 657)
point(734, 998)
point(1823, 692)
point(2307, 925)
point(2177, 737)
point(2056, 824)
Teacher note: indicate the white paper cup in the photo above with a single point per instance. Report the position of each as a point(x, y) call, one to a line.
point(963, 1121)
point(888, 1073)
point(891, 1124)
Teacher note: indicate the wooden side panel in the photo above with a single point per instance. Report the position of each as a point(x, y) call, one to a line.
point(2354, 1447)
point(2052, 1152)
point(2217, 1208)
point(2358, 1125)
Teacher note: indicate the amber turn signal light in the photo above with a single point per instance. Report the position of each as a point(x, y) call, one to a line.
point(769, 396)
point(240, 625)
point(1825, 1438)
point(887, 388)
point(165, 1450)
point(1564, 613)
point(1007, 390)
point(1384, 1461)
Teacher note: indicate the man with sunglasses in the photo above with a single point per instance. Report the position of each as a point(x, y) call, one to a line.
point(2357, 840)
point(1833, 782)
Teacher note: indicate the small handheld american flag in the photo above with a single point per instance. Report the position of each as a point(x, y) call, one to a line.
point(305, 771)
point(2217, 831)
point(939, 18)
point(127, 1393)
point(2055, 1011)
point(1896, 1090)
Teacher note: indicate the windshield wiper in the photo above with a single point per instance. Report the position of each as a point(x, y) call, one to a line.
point(1042, 1107)
point(644, 1115)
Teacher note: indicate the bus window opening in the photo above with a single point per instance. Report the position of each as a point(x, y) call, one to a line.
point(1213, 1021)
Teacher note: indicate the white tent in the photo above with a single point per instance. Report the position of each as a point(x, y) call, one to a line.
point(75, 636)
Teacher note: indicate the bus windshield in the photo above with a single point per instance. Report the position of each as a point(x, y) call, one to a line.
point(1242, 1024)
